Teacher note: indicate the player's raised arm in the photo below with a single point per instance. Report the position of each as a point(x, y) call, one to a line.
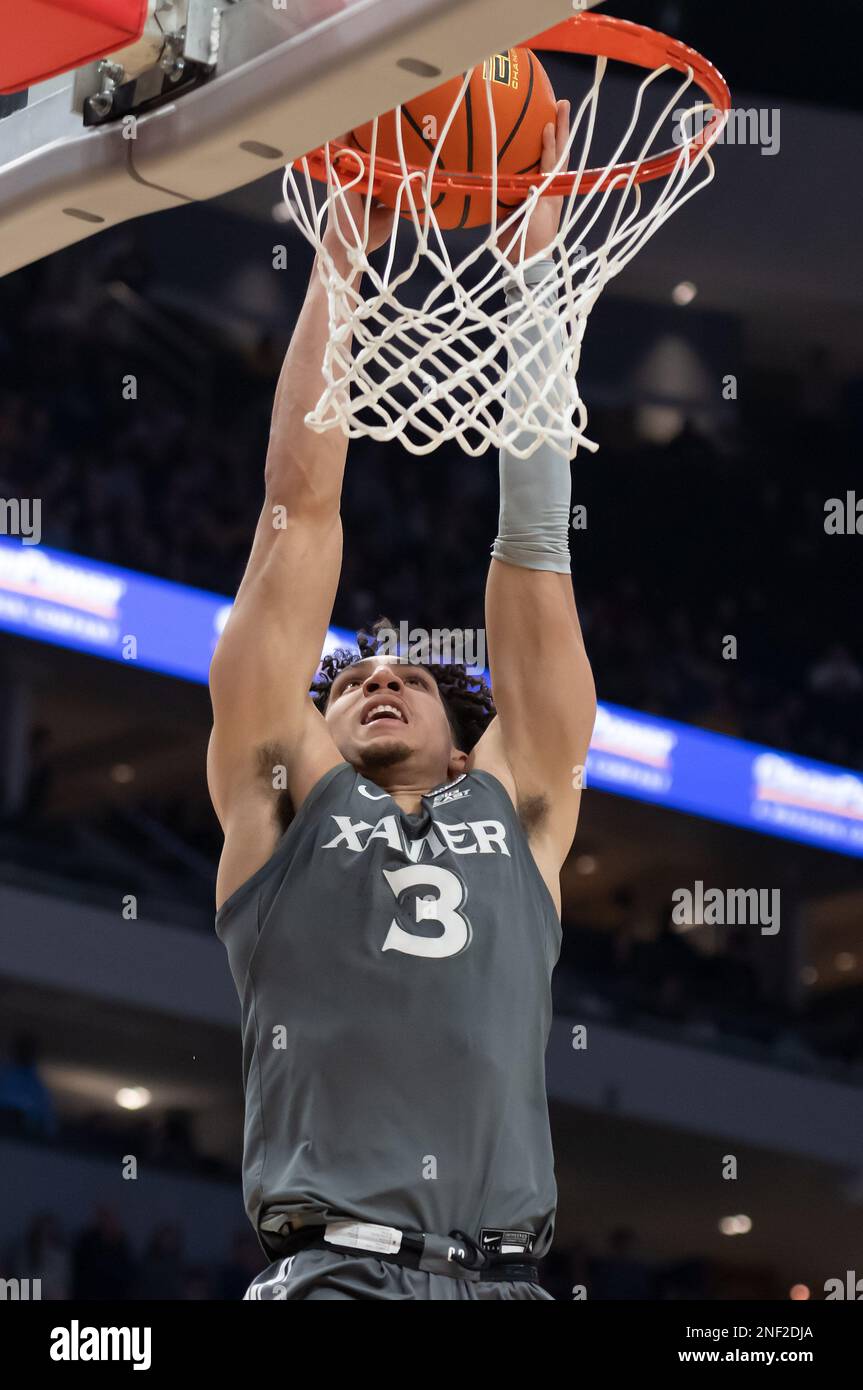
point(271, 646)
point(541, 678)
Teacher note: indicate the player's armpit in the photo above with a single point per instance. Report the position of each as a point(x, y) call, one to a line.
point(535, 811)
point(256, 792)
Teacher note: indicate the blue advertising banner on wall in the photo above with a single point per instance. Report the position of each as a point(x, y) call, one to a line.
point(725, 779)
point(111, 612)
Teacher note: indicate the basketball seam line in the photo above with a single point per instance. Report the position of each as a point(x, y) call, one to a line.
point(512, 134)
point(418, 130)
point(468, 115)
point(429, 146)
point(406, 113)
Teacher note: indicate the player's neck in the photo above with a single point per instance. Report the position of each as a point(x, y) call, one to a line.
point(410, 801)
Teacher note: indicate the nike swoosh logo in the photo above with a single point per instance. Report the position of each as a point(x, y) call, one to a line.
point(364, 791)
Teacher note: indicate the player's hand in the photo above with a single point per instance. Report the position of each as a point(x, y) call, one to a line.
point(353, 205)
point(545, 219)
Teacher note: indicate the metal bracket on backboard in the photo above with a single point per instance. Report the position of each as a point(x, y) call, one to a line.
point(177, 52)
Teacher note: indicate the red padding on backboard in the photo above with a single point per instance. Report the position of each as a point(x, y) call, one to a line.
point(41, 38)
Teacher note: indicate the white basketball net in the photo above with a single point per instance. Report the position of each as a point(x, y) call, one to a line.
point(452, 365)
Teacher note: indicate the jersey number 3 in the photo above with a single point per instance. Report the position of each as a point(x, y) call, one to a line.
point(444, 909)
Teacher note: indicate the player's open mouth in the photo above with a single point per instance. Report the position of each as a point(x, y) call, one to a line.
point(385, 713)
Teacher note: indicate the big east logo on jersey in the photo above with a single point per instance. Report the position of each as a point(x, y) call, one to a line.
point(440, 907)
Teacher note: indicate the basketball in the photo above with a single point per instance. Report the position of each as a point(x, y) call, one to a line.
point(524, 103)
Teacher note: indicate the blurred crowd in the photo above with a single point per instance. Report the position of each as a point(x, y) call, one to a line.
point(28, 1111)
point(717, 1000)
point(99, 1261)
point(686, 545)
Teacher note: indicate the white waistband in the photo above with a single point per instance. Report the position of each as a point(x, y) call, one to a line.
point(363, 1235)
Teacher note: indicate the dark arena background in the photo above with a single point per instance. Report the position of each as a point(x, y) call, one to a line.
point(704, 1073)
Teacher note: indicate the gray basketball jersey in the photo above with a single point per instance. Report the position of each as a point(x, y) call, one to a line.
point(394, 973)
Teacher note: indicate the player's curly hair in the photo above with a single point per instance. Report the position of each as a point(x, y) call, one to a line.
point(466, 697)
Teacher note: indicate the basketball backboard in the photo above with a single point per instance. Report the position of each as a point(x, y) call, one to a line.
point(218, 93)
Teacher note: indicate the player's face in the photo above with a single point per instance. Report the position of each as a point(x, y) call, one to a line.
point(383, 712)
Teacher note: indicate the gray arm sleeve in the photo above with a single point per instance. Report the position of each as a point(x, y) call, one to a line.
point(535, 493)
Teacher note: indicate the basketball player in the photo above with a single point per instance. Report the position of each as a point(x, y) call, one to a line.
point(389, 889)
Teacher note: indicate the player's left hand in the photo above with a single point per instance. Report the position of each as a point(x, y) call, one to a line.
point(545, 220)
point(380, 217)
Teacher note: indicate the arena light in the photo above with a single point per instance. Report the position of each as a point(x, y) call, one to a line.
point(659, 424)
point(735, 1225)
point(684, 293)
point(133, 1097)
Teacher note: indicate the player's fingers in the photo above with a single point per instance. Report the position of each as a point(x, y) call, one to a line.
point(561, 128)
point(549, 149)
